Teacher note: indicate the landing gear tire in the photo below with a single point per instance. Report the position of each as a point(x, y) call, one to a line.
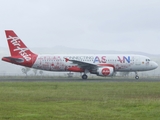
point(137, 77)
point(84, 76)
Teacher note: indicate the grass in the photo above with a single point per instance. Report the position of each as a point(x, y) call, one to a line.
point(79, 100)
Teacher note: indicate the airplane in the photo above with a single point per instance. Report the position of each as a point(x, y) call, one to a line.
point(104, 65)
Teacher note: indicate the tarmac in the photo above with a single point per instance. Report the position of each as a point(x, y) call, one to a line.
point(78, 80)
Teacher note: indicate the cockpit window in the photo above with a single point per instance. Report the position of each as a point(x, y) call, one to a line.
point(147, 59)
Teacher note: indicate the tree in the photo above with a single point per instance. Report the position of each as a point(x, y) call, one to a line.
point(41, 72)
point(70, 74)
point(124, 74)
point(25, 70)
point(35, 71)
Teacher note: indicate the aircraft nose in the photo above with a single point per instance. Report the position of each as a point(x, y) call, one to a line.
point(155, 65)
point(152, 65)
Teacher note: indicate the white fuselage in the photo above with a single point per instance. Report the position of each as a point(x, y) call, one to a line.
point(119, 62)
point(101, 65)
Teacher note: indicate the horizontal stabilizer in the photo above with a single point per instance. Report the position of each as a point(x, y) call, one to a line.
point(13, 60)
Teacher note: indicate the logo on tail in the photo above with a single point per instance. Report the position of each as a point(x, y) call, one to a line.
point(20, 54)
point(22, 51)
point(17, 47)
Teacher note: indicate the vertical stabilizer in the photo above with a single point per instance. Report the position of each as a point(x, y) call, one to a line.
point(17, 47)
point(20, 54)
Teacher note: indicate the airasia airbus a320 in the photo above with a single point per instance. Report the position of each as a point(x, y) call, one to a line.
point(100, 64)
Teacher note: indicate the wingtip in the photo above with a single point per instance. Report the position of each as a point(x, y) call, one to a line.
point(7, 30)
point(66, 59)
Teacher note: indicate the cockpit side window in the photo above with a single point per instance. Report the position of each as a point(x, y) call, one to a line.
point(147, 60)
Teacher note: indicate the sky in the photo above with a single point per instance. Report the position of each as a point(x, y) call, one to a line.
point(120, 25)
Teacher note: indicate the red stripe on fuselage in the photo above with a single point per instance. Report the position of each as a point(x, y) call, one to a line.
point(75, 69)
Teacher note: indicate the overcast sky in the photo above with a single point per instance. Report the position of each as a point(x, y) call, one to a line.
point(121, 25)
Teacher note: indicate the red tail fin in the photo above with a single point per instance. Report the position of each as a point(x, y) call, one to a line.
point(20, 54)
point(17, 47)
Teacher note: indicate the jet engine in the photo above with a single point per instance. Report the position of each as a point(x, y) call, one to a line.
point(105, 71)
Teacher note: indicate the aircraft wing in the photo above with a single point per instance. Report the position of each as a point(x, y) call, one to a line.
point(83, 65)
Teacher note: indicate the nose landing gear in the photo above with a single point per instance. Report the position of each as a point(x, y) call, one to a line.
point(136, 77)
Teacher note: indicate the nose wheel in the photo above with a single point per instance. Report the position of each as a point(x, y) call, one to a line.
point(136, 77)
point(84, 76)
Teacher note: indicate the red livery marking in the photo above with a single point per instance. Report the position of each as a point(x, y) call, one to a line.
point(66, 59)
point(19, 51)
point(75, 69)
point(105, 71)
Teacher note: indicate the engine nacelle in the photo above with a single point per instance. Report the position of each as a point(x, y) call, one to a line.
point(105, 71)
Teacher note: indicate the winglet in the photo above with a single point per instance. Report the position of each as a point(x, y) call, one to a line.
point(66, 59)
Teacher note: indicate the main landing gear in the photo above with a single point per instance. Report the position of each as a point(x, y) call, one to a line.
point(84, 76)
point(136, 77)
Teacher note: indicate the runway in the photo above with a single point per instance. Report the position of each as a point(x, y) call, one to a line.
point(78, 80)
